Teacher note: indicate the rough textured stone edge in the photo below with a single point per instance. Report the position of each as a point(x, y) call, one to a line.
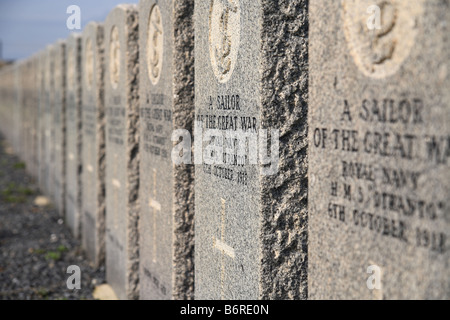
point(101, 152)
point(183, 118)
point(284, 218)
point(41, 115)
point(62, 195)
point(132, 84)
point(35, 116)
point(74, 44)
point(79, 114)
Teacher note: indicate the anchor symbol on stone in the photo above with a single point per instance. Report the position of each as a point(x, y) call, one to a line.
point(383, 48)
point(223, 49)
point(115, 55)
point(155, 55)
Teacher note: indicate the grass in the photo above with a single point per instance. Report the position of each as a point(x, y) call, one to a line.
point(16, 194)
point(62, 249)
point(25, 191)
point(14, 199)
point(19, 165)
point(42, 292)
point(53, 255)
point(9, 190)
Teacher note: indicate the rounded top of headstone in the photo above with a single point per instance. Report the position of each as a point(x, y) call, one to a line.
point(117, 21)
point(91, 28)
point(59, 47)
point(73, 41)
point(114, 57)
point(92, 34)
point(73, 36)
point(60, 42)
point(49, 48)
point(120, 12)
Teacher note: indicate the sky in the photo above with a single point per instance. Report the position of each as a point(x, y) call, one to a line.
point(28, 26)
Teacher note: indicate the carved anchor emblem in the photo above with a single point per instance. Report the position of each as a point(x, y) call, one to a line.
point(383, 47)
point(223, 49)
point(154, 60)
point(115, 56)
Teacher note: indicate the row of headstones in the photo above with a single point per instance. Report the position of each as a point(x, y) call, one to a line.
point(351, 200)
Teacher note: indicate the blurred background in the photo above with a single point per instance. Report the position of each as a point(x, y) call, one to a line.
point(28, 26)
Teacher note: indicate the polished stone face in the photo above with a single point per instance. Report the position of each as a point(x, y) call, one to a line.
point(378, 166)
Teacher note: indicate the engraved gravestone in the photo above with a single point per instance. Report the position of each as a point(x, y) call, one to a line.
point(34, 117)
point(22, 129)
point(16, 89)
point(93, 179)
point(18, 116)
point(122, 150)
point(24, 110)
point(32, 132)
point(379, 147)
point(21, 110)
point(47, 122)
point(27, 103)
point(250, 149)
point(5, 76)
point(15, 133)
point(27, 78)
point(73, 134)
point(4, 98)
point(8, 102)
point(166, 190)
point(58, 141)
point(42, 116)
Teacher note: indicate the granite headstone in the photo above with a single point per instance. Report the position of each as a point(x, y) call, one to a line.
point(73, 135)
point(58, 141)
point(122, 150)
point(166, 89)
point(379, 147)
point(41, 119)
point(48, 124)
point(251, 87)
point(93, 182)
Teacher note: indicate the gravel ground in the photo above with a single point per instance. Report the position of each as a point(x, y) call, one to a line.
point(35, 246)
